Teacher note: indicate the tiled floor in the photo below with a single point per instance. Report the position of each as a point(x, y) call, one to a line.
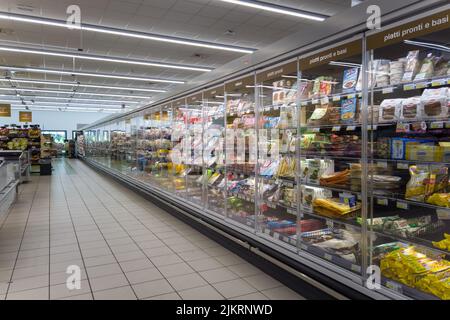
point(126, 247)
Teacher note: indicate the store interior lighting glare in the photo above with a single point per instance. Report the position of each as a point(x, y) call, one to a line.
point(89, 74)
point(125, 33)
point(102, 58)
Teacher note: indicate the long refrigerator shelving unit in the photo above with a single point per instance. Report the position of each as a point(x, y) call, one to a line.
point(337, 159)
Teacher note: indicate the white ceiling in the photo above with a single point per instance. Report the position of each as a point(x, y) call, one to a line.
point(206, 20)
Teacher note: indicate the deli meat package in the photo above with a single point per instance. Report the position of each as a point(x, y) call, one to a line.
point(411, 109)
point(434, 103)
point(390, 110)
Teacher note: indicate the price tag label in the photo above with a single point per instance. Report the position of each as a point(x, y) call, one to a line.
point(351, 128)
point(330, 223)
point(382, 164)
point(336, 128)
point(402, 165)
point(304, 103)
point(421, 85)
point(315, 101)
point(382, 202)
point(336, 98)
point(315, 129)
point(394, 286)
point(327, 256)
point(355, 268)
point(387, 90)
point(351, 96)
point(324, 100)
point(276, 235)
point(291, 211)
point(437, 125)
point(266, 231)
point(437, 83)
point(304, 247)
point(408, 87)
point(402, 205)
point(292, 241)
point(285, 239)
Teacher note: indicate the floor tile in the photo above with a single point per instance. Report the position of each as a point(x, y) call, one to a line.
point(262, 282)
point(144, 275)
point(29, 283)
point(187, 281)
point(201, 293)
point(251, 296)
point(86, 296)
point(152, 288)
point(104, 270)
point(234, 288)
point(218, 275)
point(176, 269)
point(122, 293)
point(34, 294)
point(167, 296)
point(108, 282)
point(62, 291)
point(244, 270)
point(166, 260)
point(135, 265)
point(205, 264)
point(98, 261)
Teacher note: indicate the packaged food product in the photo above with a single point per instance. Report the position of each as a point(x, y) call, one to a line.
point(348, 110)
point(411, 109)
point(382, 73)
point(412, 66)
point(435, 103)
point(443, 244)
point(416, 186)
point(350, 79)
point(427, 68)
point(441, 67)
point(390, 110)
point(396, 69)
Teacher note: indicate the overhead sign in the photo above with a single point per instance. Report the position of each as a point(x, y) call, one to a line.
point(240, 84)
point(436, 22)
point(25, 116)
point(350, 49)
point(5, 110)
point(275, 73)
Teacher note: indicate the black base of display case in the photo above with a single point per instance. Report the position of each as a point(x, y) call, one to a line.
point(240, 244)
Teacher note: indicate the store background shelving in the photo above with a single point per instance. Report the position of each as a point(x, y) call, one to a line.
point(300, 158)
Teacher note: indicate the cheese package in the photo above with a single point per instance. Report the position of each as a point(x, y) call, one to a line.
point(412, 66)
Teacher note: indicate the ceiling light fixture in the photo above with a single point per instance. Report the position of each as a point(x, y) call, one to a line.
point(124, 33)
point(70, 98)
point(89, 74)
point(76, 84)
point(278, 9)
point(74, 92)
point(102, 58)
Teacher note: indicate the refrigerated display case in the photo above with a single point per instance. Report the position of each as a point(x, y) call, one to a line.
point(408, 98)
point(277, 140)
point(337, 159)
point(330, 153)
point(214, 149)
point(240, 156)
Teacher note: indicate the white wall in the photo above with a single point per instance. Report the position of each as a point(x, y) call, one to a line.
point(55, 120)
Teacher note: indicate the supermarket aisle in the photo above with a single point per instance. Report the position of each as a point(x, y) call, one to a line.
point(126, 247)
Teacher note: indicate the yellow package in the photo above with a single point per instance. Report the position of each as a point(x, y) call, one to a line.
point(443, 244)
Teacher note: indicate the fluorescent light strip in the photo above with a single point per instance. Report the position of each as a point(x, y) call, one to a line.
point(76, 84)
point(130, 34)
point(102, 58)
point(345, 64)
point(69, 98)
point(89, 74)
point(67, 107)
point(277, 9)
point(69, 110)
point(74, 92)
point(428, 45)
